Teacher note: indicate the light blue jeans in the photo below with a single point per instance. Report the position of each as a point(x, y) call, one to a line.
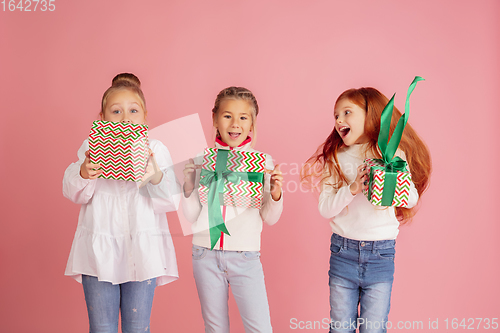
point(214, 271)
point(105, 300)
point(361, 273)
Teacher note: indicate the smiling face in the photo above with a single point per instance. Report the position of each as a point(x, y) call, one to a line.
point(124, 106)
point(350, 122)
point(234, 121)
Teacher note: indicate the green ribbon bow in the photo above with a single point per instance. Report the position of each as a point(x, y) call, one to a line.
point(388, 148)
point(215, 180)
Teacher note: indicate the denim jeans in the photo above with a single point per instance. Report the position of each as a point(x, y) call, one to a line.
point(214, 271)
point(105, 300)
point(361, 273)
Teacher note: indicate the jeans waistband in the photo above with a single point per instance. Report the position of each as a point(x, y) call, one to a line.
point(362, 245)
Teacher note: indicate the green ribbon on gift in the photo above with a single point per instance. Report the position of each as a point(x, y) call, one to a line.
point(215, 180)
point(388, 148)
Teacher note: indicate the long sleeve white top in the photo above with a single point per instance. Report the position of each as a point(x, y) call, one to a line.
point(122, 233)
point(355, 217)
point(244, 224)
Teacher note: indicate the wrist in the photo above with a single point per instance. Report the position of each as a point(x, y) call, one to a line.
point(156, 179)
point(83, 174)
point(353, 188)
point(187, 190)
point(276, 196)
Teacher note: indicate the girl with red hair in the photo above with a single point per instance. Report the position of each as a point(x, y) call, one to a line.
point(363, 240)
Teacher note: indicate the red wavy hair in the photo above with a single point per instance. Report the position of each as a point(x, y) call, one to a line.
point(324, 163)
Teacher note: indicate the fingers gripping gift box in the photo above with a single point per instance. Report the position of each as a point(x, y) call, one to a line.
point(390, 180)
point(121, 149)
point(233, 178)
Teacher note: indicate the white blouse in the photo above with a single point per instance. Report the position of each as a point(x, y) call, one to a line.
point(122, 233)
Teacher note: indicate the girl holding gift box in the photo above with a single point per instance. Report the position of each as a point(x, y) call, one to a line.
point(232, 258)
point(122, 247)
point(363, 240)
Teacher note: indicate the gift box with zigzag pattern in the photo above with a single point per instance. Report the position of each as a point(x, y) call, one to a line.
point(246, 193)
point(121, 149)
point(375, 190)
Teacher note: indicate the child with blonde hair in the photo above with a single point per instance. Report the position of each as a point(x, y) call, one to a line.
point(122, 247)
point(235, 258)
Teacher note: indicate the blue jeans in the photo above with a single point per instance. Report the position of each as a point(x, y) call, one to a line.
point(361, 273)
point(105, 300)
point(214, 271)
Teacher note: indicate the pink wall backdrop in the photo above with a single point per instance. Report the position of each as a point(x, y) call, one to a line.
point(297, 57)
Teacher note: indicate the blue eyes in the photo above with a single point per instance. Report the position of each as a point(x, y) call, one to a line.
point(118, 111)
point(229, 117)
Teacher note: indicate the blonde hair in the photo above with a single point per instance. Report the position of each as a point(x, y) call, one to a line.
point(124, 81)
point(238, 93)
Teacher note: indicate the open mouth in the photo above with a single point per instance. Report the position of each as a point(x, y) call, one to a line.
point(343, 131)
point(234, 135)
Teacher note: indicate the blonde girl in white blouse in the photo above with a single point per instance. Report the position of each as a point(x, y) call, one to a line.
point(235, 259)
point(122, 247)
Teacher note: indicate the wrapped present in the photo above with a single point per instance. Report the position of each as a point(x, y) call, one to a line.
point(121, 149)
point(397, 190)
point(233, 178)
point(248, 191)
point(390, 181)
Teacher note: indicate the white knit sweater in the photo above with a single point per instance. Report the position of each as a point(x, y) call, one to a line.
point(355, 217)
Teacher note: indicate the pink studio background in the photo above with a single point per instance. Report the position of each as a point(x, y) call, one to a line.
point(297, 57)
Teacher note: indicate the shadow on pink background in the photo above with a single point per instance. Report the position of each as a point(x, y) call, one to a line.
point(297, 57)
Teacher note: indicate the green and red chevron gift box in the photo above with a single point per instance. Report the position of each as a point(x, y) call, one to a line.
point(390, 181)
point(375, 192)
point(233, 178)
point(121, 149)
point(247, 189)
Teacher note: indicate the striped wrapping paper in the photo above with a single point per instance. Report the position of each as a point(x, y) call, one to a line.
point(376, 186)
point(246, 194)
point(121, 149)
